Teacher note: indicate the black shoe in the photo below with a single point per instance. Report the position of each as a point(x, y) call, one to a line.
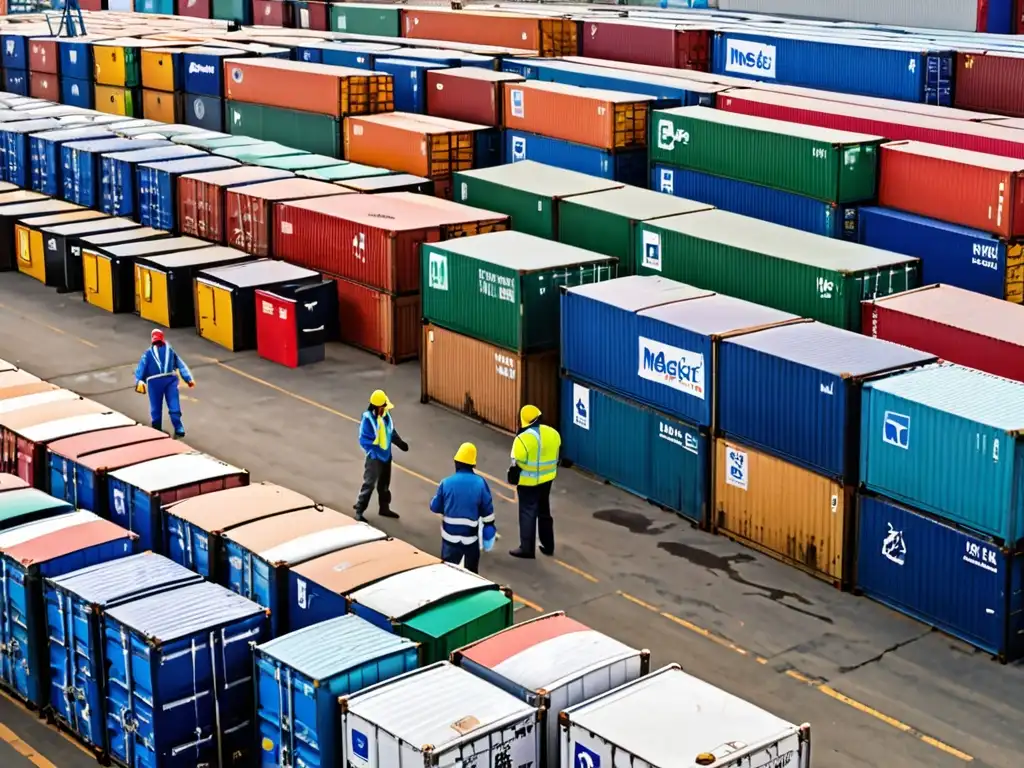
point(547, 552)
point(360, 517)
point(390, 514)
point(179, 435)
point(517, 552)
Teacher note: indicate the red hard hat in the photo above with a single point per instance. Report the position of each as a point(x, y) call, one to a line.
point(156, 335)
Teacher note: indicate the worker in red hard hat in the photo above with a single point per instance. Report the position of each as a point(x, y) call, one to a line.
point(157, 374)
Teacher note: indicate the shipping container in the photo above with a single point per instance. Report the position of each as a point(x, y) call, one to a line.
point(294, 324)
point(625, 167)
point(119, 184)
point(388, 182)
point(158, 105)
point(14, 148)
point(13, 483)
point(660, 45)
point(209, 141)
point(667, 716)
point(26, 670)
point(43, 86)
point(162, 69)
point(75, 604)
point(963, 584)
point(192, 641)
point(547, 35)
point(158, 188)
point(78, 93)
point(44, 149)
point(30, 252)
point(308, 671)
point(23, 396)
point(80, 167)
point(307, 131)
point(21, 504)
point(206, 112)
point(434, 147)
point(409, 79)
point(115, 100)
point(203, 72)
point(119, 61)
point(470, 94)
point(990, 81)
point(258, 555)
point(42, 56)
point(11, 215)
point(318, 589)
point(349, 172)
point(366, 19)
point(249, 153)
point(201, 198)
point(90, 490)
point(63, 250)
point(306, 161)
point(815, 277)
point(962, 15)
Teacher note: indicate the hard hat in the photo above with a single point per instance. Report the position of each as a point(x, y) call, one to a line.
point(378, 399)
point(466, 454)
point(528, 414)
point(156, 335)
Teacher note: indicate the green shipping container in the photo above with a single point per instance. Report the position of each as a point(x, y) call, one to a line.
point(826, 164)
point(344, 172)
point(443, 628)
point(366, 20)
point(305, 131)
point(26, 505)
point(231, 10)
point(299, 162)
point(605, 222)
point(793, 271)
point(529, 192)
point(250, 153)
point(503, 287)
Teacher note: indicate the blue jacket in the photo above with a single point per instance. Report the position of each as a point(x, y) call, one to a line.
point(374, 448)
point(161, 361)
point(464, 501)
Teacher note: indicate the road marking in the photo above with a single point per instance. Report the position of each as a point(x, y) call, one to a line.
point(20, 746)
point(577, 571)
point(528, 603)
point(47, 326)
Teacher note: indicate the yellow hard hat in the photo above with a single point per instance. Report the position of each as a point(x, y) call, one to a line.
point(466, 454)
point(378, 399)
point(528, 414)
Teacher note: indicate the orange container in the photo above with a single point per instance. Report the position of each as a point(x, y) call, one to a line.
point(161, 105)
point(325, 90)
point(549, 36)
point(432, 147)
point(597, 118)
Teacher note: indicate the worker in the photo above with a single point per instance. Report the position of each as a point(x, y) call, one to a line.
point(534, 467)
point(464, 502)
point(157, 373)
point(376, 436)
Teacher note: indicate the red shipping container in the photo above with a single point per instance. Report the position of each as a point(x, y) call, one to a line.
point(968, 188)
point(43, 56)
point(364, 238)
point(249, 209)
point(271, 13)
point(312, 16)
point(990, 82)
point(960, 326)
point(469, 94)
point(74, 448)
point(895, 126)
point(12, 422)
point(91, 5)
point(201, 198)
point(549, 36)
point(277, 339)
point(639, 43)
point(197, 9)
point(386, 325)
point(456, 219)
point(43, 86)
point(30, 442)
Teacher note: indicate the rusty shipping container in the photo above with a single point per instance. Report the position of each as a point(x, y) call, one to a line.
point(790, 513)
point(658, 45)
point(377, 321)
point(968, 188)
point(202, 198)
point(43, 56)
point(486, 382)
point(990, 82)
point(470, 94)
point(549, 36)
point(590, 116)
point(299, 85)
point(249, 209)
point(433, 147)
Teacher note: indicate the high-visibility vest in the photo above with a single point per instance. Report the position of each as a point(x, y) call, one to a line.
point(535, 452)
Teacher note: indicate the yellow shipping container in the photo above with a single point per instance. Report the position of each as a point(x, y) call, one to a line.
point(117, 101)
point(157, 105)
point(158, 71)
point(791, 513)
point(215, 313)
point(28, 240)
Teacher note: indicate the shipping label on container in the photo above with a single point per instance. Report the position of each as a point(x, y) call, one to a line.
point(517, 103)
point(505, 366)
point(495, 286)
point(736, 468)
point(673, 434)
point(669, 135)
point(677, 368)
point(651, 257)
point(518, 152)
point(749, 58)
point(894, 548)
point(580, 407)
point(437, 277)
point(896, 430)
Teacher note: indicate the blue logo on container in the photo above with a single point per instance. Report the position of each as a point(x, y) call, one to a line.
point(584, 758)
point(896, 430)
point(518, 148)
point(360, 745)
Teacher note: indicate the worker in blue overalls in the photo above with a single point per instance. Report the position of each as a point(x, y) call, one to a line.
point(464, 502)
point(157, 374)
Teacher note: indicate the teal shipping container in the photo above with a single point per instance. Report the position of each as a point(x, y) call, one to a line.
point(658, 458)
point(948, 440)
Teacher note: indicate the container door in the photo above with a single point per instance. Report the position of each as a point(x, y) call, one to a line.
point(26, 454)
point(273, 701)
point(37, 254)
point(23, 249)
point(120, 692)
point(61, 627)
point(91, 275)
point(678, 458)
point(206, 312)
point(16, 661)
point(151, 295)
point(60, 487)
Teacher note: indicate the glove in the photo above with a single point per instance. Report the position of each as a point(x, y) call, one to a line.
point(140, 387)
point(490, 534)
point(400, 444)
point(192, 384)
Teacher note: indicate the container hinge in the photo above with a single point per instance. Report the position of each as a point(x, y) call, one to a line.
point(128, 722)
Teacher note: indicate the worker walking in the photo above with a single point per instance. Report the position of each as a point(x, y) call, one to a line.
point(376, 436)
point(157, 374)
point(464, 502)
point(534, 468)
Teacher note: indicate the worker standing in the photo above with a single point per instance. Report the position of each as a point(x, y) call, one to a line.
point(534, 468)
point(157, 374)
point(464, 502)
point(376, 436)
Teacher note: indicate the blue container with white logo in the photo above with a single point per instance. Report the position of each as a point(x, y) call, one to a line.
point(118, 171)
point(794, 391)
point(76, 93)
point(410, 82)
point(158, 187)
point(80, 170)
point(656, 457)
point(652, 340)
point(16, 81)
point(203, 70)
point(15, 51)
point(307, 671)
point(205, 112)
point(445, 57)
point(355, 56)
point(165, 7)
point(14, 148)
point(309, 53)
point(954, 580)
point(967, 258)
point(628, 166)
point(44, 149)
point(948, 440)
point(765, 203)
point(885, 68)
point(75, 59)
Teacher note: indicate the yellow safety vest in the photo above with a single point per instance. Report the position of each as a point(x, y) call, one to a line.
point(535, 452)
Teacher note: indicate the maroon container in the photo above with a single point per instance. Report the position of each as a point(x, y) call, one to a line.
point(270, 13)
point(92, 5)
point(470, 94)
point(201, 198)
point(990, 82)
point(197, 9)
point(388, 326)
point(42, 85)
point(43, 56)
point(312, 16)
point(638, 43)
point(960, 326)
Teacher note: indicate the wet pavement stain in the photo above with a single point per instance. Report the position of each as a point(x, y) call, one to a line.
point(634, 522)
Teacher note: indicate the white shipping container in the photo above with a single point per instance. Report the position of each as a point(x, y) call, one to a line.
point(960, 15)
point(438, 716)
point(553, 662)
point(670, 719)
point(403, 594)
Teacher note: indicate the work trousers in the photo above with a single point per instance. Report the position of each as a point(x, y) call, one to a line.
point(535, 519)
point(161, 388)
point(376, 474)
point(454, 553)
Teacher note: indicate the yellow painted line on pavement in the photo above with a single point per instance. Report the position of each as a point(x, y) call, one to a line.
point(24, 749)
point(47, 326)
point(578, 571)
point(528, 603)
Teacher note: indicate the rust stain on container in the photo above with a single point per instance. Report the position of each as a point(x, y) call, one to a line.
point(432, 147)
point(377, 321)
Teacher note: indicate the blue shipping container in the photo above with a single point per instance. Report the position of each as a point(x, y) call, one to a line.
point(656, 457)
point(309, 53)
point(118, 171)
point(300, 676)
point(158, 187)
point(627, 166)
point(76, 93)
point(656, 339)
point(16, 81)
point(75, 604)
point(205, 112)
point(15, 54)
point(765, 203)
point(14, 148)
point(883, 68)
point(410, 82)
point(445, 57)
point(795, 391)
point(948, 440)
point(956, 581)
point(79, 162)
point(187, 645)
point(342, 55)
point(967, 258)
point(44, 151)
point(202, 68)
point(75, 60)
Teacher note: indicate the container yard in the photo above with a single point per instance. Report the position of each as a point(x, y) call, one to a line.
point(801, 234)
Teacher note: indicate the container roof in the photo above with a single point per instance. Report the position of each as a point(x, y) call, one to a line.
point(479, 73)
point(538, 179)
point(383, 181)
point(124, 235)
point(519, 252)
point(79, 132)
point(403, 594)
point(447, 211)
point(427, 124)
point(286, 163)
point(155, 153)
point(63, 542)
point(129, 578)
point(117, 458)
point(717, 315)
point(14, 536)
point(290, 189)
point(638, 204)
point(441, 619)
point(204, 162)
point(768, 125)
point(349, 569)
point(40, 414)
point(637, 292)
point(99, 225)
point(335, 646)
point(222, 510)
point(957, 308)
point(389, 213)
point(302, 66)
point(74, 425)
point(197, 257)
point(115, 145)
point(163, 245)
point(22, 500)
point(104, 440)
point(302, 535)
point(508, 643)
point(594, 94)
point(29, 395)
point(239, 174)
point(10, 376)
point(955, 155)
point(255, 274)
point(174, 471)
point(10, 482)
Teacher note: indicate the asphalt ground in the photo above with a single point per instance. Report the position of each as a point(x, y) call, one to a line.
point(879, 689)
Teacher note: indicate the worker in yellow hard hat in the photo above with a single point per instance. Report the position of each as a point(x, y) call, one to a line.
point(376, 436)
point(534, 468)
point(464, 502)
